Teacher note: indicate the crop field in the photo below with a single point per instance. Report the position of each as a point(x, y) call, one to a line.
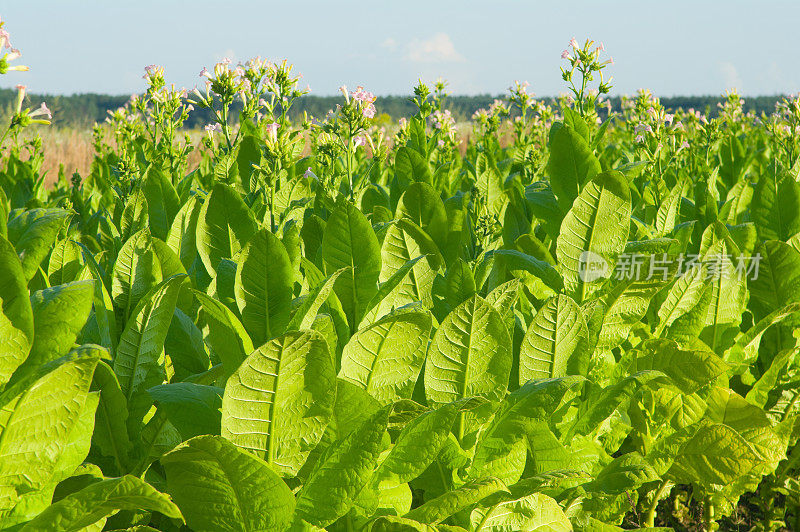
point(558, 316)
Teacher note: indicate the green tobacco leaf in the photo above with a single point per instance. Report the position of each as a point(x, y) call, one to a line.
point(224, 226)
point(715, 454)
point(133, 275)
point(410, 165)
point(37, 415)
point(684, 311)
point(501, 449)
point(32, 234)
point(556, 342)
point(778, 280)
point(776, 206)
point(304, 316)
point(138, 363)
point(437, 510)
point(418, 445)
point(341, 473)
point(193, 409)
point(111, 432)
point(226, 335)
point(162, 201)
point(14, 301)
point(571, 163)
point(279, 401)
point(536, 513)
point(593, 233)
point(728, 299)
point(470, 355)
point(421, 204)
point(385, 358)
point(383, 299)
point(689, 370)
point(350, 242)
point(397, 250)
point(489, 183)
point(219, 487)
point(624, 473)
point(66, 263)
point(182, 235)
point(100, 500)
point(264, 283)
point(59, 314)
point(13, 349)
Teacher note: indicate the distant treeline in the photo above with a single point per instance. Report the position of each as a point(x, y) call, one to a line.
point(83, 110)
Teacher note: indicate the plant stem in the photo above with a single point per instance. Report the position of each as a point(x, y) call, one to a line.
point(650, 517)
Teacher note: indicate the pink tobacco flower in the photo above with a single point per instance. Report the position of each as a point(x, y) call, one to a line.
point(640, 139)
point(574, 43)
point(272, 131)
point(213, 127)
point(42, 111)
point(565, 55)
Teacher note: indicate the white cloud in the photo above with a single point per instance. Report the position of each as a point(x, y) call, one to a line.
point(437, 49)
point(730, 75)
point(389, 44)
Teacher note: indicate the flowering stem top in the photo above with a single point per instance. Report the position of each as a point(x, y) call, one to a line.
point(586, 61)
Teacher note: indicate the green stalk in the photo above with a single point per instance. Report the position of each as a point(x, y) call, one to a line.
point(650, 517)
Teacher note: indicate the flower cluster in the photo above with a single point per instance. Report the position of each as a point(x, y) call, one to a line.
point(365, 99)
point(586, 61)
point(21, 118)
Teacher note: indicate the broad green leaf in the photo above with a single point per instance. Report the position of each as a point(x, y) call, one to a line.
point(341, 473)
point(350, 242)
point(535, 513)
point(422, 205)
point(624, 473)
point(66, 263)
point(111, 432)
point(134, 274)
point(59, 314)
point(162, 201)
point(99, 500)
point(470, 355)
point(37, 415)
point(728, 299)
point(14, 301)
point(556, 342)
point(778, 281)
point(715, 454)
point(776, 206)
point(226, 335)
point(570, 165)
point(14, 349)
point(304, 316)
point(501, 449)
point(452, 502)
point(264, 283)
point(593, 233)
point(224, 226)
point(418, 445)
point(219, 487)
point(410, 165)
point(138, 362)
point(684, 311)
point(279, 401)
point(385, 358)
point(397, 250)
point(182, 235)
point(32, 234)
point(689, 369)
point(193, 409)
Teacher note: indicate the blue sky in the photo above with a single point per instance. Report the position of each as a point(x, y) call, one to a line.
point(677, 47)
